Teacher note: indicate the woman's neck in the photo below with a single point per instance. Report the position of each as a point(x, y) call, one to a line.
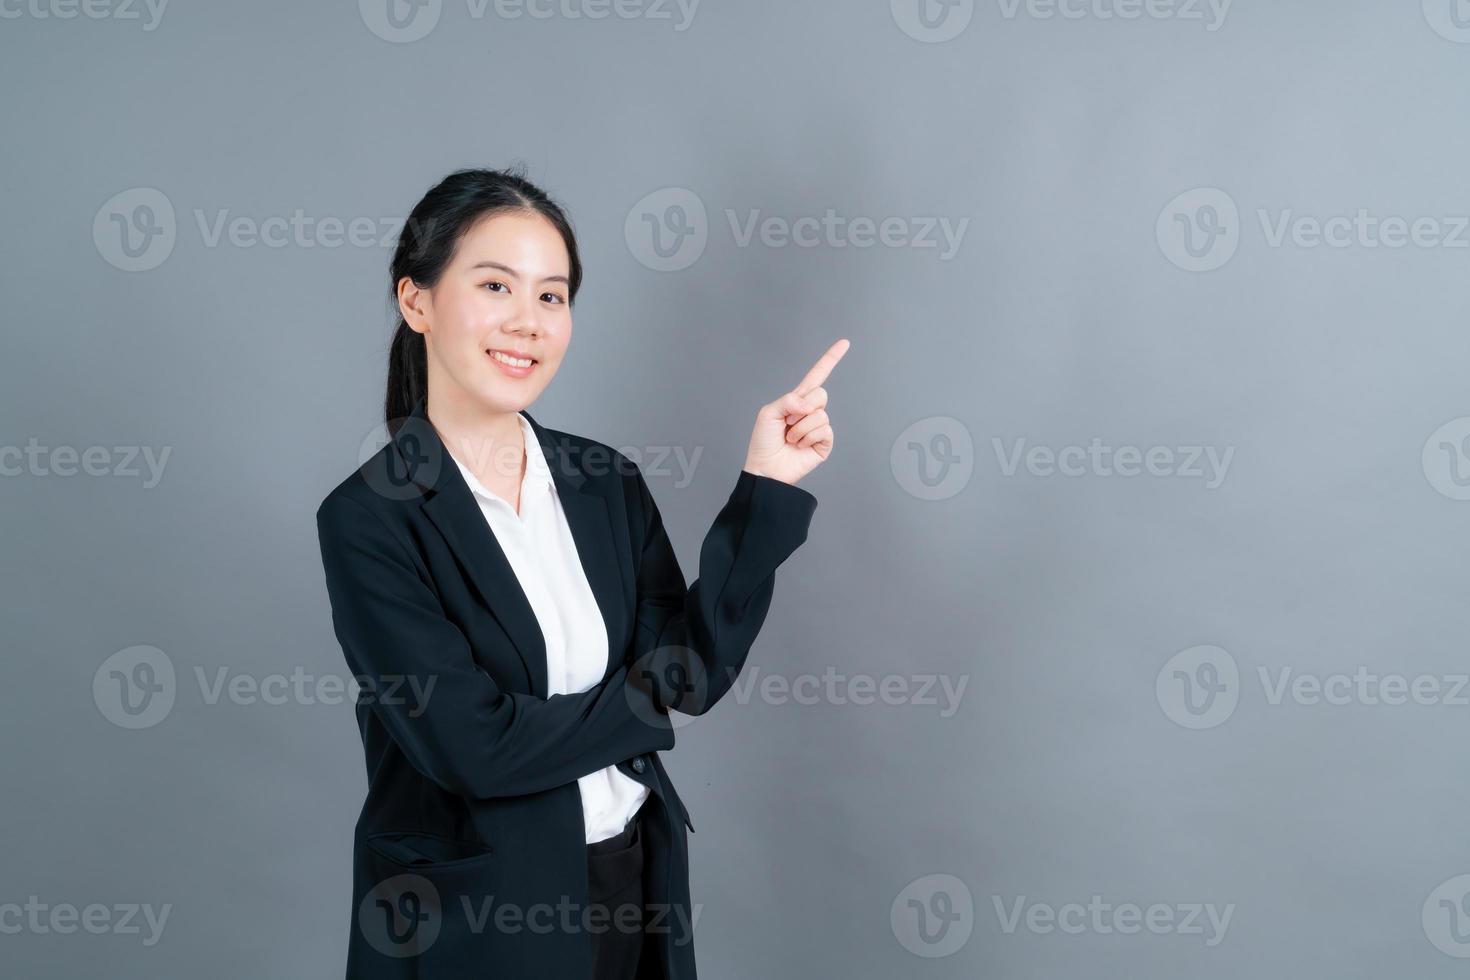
point(489, 444)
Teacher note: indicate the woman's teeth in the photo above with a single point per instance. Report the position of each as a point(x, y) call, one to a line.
point(522, 362)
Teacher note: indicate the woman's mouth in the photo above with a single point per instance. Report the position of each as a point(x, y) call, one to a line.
point(512, 364)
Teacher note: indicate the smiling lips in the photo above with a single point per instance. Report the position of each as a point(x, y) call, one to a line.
point(511, 363)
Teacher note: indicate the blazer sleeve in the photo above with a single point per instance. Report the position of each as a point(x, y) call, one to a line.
point(692, 642)
point(466, 734)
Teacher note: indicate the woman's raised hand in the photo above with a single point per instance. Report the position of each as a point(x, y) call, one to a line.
point(793, 434)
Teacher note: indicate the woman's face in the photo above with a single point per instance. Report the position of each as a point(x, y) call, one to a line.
point(505, 291)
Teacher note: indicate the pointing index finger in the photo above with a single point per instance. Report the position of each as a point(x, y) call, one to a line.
point(818, 374)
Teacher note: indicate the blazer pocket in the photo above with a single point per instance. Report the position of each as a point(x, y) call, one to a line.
point(428, 905)
point(417, 850)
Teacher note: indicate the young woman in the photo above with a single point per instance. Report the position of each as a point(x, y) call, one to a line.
point(512, 608)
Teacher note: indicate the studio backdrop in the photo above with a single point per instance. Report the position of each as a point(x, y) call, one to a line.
point(1129, 637)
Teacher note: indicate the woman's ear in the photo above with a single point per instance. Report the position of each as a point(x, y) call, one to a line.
point(414, 305)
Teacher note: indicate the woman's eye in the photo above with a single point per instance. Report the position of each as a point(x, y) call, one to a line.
point(494, 283)
point(552, 296)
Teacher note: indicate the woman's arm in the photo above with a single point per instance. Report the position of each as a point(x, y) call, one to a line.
point(691, 642)
point(465, 734)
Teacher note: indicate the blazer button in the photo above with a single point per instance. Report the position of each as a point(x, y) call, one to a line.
point(638, 764)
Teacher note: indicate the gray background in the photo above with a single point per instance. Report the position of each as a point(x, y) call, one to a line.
point(1333, 831)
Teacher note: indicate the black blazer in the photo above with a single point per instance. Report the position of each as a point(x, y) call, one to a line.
point(469, 857)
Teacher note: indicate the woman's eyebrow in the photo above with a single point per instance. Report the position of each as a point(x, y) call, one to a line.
point(487, 264)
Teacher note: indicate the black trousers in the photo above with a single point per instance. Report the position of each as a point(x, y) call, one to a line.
point(615, 892)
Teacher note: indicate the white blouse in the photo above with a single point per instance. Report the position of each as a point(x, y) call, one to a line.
point(539, 545)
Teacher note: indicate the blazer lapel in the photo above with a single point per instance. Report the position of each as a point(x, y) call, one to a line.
point(449, 504)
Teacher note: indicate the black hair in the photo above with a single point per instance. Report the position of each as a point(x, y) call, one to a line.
point(426, 246)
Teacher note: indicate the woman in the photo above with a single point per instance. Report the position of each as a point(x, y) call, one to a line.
point(509, 602)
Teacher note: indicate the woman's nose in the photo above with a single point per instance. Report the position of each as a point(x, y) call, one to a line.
point(524, 322)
